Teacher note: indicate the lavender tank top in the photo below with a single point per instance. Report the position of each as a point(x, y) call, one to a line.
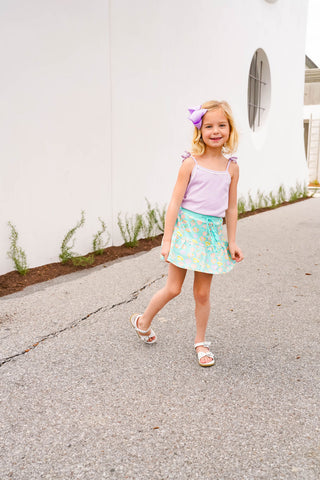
point(208, 190)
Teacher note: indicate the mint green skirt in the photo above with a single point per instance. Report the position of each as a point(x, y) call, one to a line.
point(198, 244)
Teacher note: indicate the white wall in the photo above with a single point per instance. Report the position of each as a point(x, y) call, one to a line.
point(54, 123)
point(276, 154)
point(186, 55)
point(95, 99)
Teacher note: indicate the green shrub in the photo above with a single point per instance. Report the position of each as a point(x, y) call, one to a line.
point(281, 195)
point(149, 222)
point(251, 203)
point(305, 191)
point(66, 250)
point(16, 253)
point(241, 205)
point(293, 195)
point(265, 201)
point(130, 229)
point(161, 216)
point(98, 244)
point(272, 199)
point(299, 189)
point(261, 199)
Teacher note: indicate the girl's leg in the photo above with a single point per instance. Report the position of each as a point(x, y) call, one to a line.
point(172, 288)
point(201, 292)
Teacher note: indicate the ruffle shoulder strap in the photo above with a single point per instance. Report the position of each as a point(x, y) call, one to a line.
point(185, 155)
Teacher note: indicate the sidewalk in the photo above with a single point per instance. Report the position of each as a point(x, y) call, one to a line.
point(82, 398)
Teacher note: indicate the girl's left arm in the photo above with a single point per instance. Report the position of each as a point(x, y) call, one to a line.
point(232, 215)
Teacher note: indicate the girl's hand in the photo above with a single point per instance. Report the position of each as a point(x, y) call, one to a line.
point(235, 251)
point(165, 249)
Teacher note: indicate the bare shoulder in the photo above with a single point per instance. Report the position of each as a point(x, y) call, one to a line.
point(187, 165)
point(234, 169)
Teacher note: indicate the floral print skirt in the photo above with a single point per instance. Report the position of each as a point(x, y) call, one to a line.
point(198, 244)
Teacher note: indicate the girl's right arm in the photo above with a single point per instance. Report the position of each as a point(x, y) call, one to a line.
point(175, 203)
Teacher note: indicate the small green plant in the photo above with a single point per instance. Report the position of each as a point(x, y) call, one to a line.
point(66, 250)
point(241, 205)
point(149, 222)
point(83, 261)
point(272, 199)
point(293, 195)
point(251, 202)
point(260, 197)
point(160, 216)
point(305, 192)
point(299, 189)
point(281, 195)
point(97, 243)
point(16, 253)
point(265, 201)
point(130, 229)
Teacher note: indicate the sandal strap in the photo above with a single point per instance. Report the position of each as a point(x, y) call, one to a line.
point(145, 338)
point(139, 329)
point(205, 354)
point(143, 331)
point(202, 344)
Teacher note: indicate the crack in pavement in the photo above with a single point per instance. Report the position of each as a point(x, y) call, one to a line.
point(133, 296)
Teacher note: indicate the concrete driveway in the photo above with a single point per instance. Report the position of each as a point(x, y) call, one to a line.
point(82, 398)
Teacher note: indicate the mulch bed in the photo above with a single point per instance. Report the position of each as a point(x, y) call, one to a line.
point(14, 282)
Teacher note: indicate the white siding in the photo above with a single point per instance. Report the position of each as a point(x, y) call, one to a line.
point(314, 150)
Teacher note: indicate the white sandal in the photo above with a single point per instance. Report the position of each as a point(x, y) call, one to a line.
point(205, 354)
point(133, 320)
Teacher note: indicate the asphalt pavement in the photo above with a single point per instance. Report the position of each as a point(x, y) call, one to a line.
point(82, 398)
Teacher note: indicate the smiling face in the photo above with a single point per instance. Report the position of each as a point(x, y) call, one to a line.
point(215, 129)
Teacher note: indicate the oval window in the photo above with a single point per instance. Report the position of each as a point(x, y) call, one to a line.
point(259, 90)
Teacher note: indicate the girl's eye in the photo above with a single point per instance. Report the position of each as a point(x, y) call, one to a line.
point(222, 125)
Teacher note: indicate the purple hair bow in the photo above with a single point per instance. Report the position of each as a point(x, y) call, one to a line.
point(196, 114)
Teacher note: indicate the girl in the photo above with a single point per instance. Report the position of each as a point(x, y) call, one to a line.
point(205, 192)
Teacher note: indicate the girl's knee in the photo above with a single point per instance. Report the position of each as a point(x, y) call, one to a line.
point(173, 290)
point(202, 296)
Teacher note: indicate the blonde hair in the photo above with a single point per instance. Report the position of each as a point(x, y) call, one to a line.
point(198, 146)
